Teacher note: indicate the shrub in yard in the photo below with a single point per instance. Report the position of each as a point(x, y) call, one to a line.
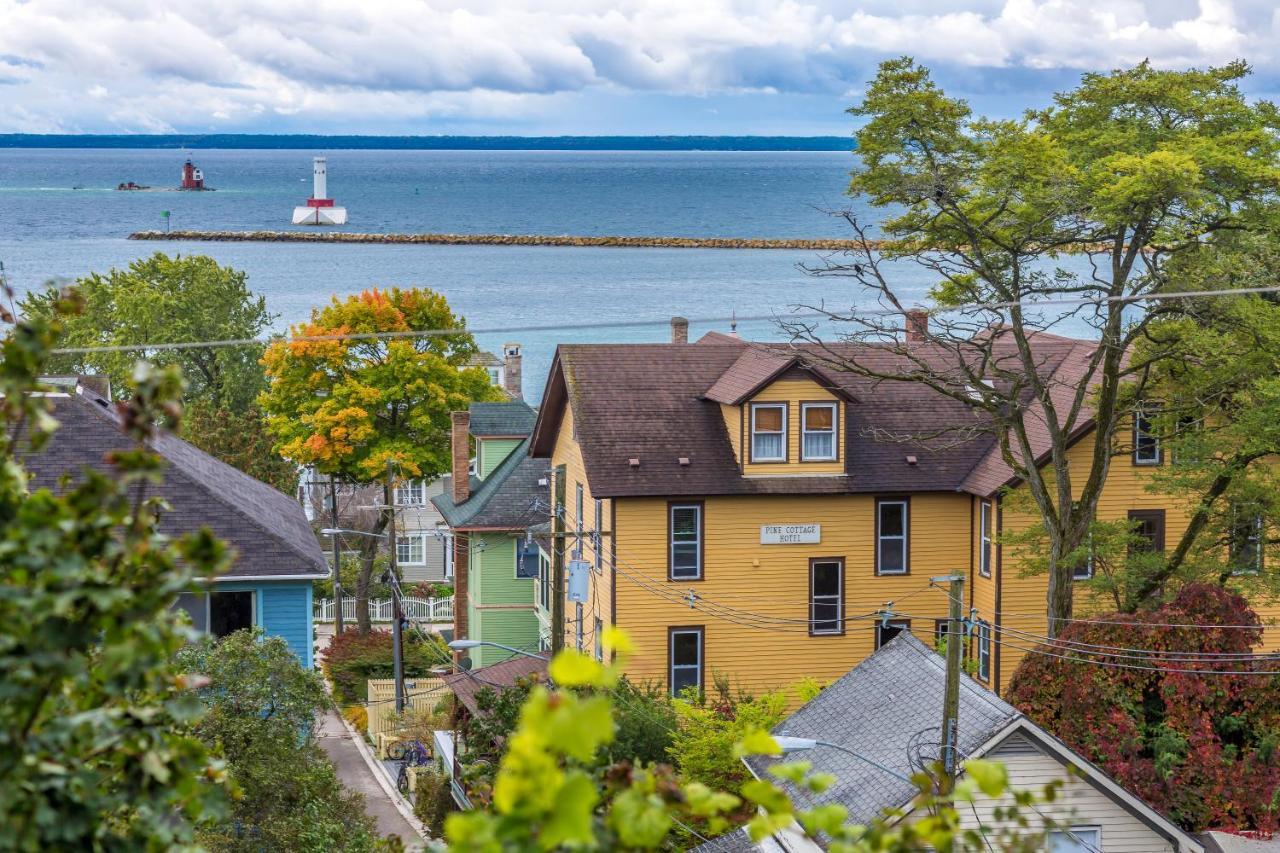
point(433, 801)
point(353, 658)
point(357, 716)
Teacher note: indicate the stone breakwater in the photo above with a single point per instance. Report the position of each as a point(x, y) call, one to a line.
point(497, 240)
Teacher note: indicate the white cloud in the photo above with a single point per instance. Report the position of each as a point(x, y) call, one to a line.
point(201, 65)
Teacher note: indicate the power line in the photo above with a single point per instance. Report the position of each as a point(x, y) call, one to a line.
point(623, 324)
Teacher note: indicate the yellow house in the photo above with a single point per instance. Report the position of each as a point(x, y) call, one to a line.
point(748, 515)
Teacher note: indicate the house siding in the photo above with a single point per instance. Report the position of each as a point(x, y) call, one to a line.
point(491, 451)
point(793, 392)
point(283, 609)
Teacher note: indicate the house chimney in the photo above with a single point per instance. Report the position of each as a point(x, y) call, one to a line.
point(511, 378)
point(461, 440)
point(917, 326)
point(679, 330)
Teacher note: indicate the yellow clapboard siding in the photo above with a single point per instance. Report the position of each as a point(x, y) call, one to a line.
point(794, 392)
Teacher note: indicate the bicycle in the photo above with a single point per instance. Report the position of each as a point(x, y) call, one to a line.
point(413, 753)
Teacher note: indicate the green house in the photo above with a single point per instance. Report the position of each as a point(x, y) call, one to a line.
point(489, 505)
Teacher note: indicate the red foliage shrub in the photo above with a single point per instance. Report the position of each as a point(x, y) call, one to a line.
point(1200, 748)
point(353, 658)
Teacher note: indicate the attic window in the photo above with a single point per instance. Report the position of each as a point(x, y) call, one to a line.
point(818, 432)
point(768, 432)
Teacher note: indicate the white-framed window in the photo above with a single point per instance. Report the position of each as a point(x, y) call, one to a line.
point(446, 542)
point(1077, 839)
point(597, 540)
point(495, 375)
point(768, 432)
point(984, 538)
point(544, 581)
point(984, 651)
point(685, 658)
point(599, 639)
point(528, 559)
point(892, 524)
point(580, 631)
point(1146, 443)
point(219, 613)
point(826, 595)
point(411, 493)
point(1244, 544)
point(1083, 571)
point(818, 425)
point(580, 522)
point(411, 549)
point(685, 542)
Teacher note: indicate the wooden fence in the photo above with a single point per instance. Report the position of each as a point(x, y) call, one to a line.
point(417, 609)
point(420, 694)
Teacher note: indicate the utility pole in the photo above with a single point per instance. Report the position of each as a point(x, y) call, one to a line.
point(951, 698)
point(397, 630)
point(557, 562)
point(337, 559)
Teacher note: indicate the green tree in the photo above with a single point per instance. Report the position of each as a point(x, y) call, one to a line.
point(91, 705)
point(1132, 169)
point(262, 707)
point(179, 300)
point(356, 408)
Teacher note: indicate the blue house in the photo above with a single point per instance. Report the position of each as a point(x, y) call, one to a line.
point(276, 554)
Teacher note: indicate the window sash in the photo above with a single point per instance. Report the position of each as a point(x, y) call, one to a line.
point(984, 651)
point(768, 445)
point(1245, 545)
point(817, 445)
point(685, 673)
point(411, 550)
point(599, 639)
point(1078, 839)
point(685, 546)
point(1084, 572)
point(891, 548)
point(1146, 445)
point(984, 539)
point(528, 560)
point(411, 493)
point(826, 610)
point(597, 539)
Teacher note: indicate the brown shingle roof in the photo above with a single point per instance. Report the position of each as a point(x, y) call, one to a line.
point(660, 402)
point(498, 677)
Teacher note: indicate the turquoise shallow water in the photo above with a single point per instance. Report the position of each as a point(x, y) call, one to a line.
point(50, 230)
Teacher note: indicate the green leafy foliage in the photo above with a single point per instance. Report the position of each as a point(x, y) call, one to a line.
point(262, 708)
point(702, 747)
point(91, 707)
point(353, 658)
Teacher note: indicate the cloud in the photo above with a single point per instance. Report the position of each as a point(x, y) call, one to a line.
point(242, 63)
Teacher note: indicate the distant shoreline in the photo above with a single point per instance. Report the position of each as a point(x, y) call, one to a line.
point(624, 242)
point(252, 141)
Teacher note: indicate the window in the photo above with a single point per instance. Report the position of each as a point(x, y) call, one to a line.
point(685, 551)
point(1146, 443)
point(684, 654)
point(887, 631)
point(984, 651)
point(891, 537)
point(1083, 570)
point(597, 539)
point(1077, 839)
point(1149, 525)
point(495, 375)
point(411, 550)
point(580, 523)
point(578, 622)
point(768, 432)
point(218, 613)
point(544, 581)
point(826, 595)
point(411, 493)
point(984, 539)
point(1188, 439)
point(818, 432)
point(1244, 543)
point(599, 635)
point(528, 559)
point(941, 630)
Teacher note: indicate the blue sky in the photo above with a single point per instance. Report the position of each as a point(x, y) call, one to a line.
point(571, 66)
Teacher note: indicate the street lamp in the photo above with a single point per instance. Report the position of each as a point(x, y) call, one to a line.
point(463, 645)
point(337, 569)
point(803, 744)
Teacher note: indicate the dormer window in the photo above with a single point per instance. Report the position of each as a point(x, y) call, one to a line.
point(768, 432)
point(818, 432)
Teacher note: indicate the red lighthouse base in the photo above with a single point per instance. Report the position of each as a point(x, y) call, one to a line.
point(319, 202)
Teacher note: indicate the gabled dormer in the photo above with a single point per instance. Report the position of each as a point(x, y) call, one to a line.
point(498, 429)
point(783, 417)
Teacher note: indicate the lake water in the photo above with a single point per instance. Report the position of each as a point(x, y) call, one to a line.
point(49, 229)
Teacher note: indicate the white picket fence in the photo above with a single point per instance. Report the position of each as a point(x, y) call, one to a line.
point(418, 609)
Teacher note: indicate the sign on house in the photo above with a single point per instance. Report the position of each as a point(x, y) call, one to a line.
point(790, 534)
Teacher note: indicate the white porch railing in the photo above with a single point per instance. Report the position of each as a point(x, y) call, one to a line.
point(418, 609)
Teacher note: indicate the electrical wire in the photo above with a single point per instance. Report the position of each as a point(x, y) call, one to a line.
point(622, 324)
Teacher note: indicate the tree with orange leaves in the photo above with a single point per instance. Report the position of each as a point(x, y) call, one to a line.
point(353, 406)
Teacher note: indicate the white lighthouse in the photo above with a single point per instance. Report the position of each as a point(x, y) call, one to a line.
point(320, 209)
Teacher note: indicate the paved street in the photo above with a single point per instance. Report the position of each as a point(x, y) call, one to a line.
point(358, 776)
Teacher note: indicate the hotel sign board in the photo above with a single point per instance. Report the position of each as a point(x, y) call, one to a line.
point(790, 534)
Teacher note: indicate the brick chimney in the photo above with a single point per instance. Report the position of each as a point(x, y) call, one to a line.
point(917, 326)
point(679, 330)
point(511, 379)
point(461, 440)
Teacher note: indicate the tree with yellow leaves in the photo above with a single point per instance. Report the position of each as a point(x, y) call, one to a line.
point(352, 406)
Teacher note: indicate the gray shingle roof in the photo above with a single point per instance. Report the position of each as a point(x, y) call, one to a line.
point(736, 841)
point(503, 500)
point(881, 708)
point(490, 420)
point(267, 529)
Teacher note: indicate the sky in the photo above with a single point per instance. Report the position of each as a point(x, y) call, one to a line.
point(551, 67)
